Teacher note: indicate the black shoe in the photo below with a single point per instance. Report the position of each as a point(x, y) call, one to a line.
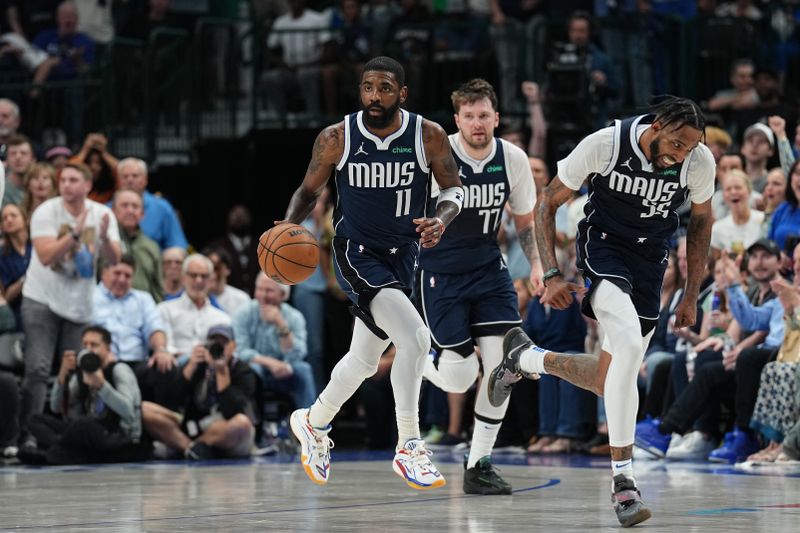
point(503, 378)
point(628, 502)
point(484, 479)
point(199, 451)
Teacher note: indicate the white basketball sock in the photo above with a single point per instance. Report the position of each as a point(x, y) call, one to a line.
point(484, 436)
point(532, 360)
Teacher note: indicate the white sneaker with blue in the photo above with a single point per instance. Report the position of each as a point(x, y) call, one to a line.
point(412, 463)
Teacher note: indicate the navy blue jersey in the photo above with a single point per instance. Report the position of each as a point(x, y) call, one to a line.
point(470, 241)
point(382, 184)
point(631, 199)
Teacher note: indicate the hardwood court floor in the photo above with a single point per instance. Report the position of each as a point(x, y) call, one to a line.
point(563, 493)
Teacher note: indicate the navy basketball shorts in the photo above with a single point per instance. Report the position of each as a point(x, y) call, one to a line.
point(636, 268)
point(459, 308)
point(362, 272)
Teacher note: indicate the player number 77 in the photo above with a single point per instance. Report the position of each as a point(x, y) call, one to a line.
point(487, 216)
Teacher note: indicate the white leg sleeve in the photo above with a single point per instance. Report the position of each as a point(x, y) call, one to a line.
point(357, 365)
point(455, 373)
point(492, 355)
point(617, 315)
point(395, 314)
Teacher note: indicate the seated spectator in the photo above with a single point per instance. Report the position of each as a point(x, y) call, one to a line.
point(58, 156)
point(15, 256)
point(737, 231)
point(774, 196)
point(128, 207)
point(160, 221)
point(19, 158)
point(230, 298)
point(786, 220)
point(188, 317)
point(71, 52)
point(216, 419)
point(728, 162)
point(9, 123)
point(69, 232)
point(41, 183)
point(95, 155)
point(272, 338)
point(100, 407)
point(295, 54)
point(171, 272)
point(240, 243)
point(777, 408)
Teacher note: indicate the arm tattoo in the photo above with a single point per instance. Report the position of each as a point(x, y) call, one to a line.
point(580, 370)
point(326, 147)
point(528, 244)
point(446, 211)
point(698, 237)
point(553, 196)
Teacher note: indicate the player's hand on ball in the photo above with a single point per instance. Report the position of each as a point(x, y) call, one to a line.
point(430, 230)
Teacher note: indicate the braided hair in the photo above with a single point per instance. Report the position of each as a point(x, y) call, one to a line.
point(680, 112)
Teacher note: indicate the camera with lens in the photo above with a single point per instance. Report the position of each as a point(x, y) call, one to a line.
point(216, 349)
point(88, 361)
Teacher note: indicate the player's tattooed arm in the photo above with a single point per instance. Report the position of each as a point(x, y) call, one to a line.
point(698, 239)
point(527, 242)
point(325, 154)
point(555, 194)
point(442, 165)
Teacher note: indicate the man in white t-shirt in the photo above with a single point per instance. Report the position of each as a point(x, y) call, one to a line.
point(298, 66)
point(228, 297)
point(69, 233)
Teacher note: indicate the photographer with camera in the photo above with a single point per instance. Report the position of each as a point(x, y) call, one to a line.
point(99, 405)
point(218, 413)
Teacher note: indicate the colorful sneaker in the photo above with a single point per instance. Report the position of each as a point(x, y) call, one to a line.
point(411, 463)
point(484, 479)
point(628, 502)
point(503, 378)
point(650, 439)
point(736, 447)
point(315, 447)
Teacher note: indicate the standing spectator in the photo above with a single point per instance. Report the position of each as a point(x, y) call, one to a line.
point(172, 275)
point(160, 221)
point(69, 232)
point(272, 338)
point(242, 247)
point(100, 409)
point(19, 158)
point(41, 184)
point(353, 37)
point(188, 317)
point(95, 155)
point(297, 65)
point(218, 412)
point(128, 207)
point(741, 94)
point(230, 298)
point(15, 256)
point(95, 19)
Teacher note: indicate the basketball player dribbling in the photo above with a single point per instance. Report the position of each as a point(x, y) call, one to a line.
point(640, 171)
point(382, 157)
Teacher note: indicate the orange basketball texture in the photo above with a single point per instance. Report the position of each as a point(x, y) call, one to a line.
point(288, 253)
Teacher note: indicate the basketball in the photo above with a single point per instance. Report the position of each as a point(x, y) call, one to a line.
point(288, 253)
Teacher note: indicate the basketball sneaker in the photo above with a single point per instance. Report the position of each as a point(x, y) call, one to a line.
point(628, 502)
point(503, 378)
point(412, 463)
point(315, 446)
point(484, 479)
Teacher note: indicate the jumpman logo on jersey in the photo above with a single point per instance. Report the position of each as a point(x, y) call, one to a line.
point(627, 163)
point(461, 173)
point(361, 150)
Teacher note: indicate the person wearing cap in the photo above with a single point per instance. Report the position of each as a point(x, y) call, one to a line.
point(272, 337)
point(757, 147)
point(58, 156)
point(732, 372)
point(217, 416)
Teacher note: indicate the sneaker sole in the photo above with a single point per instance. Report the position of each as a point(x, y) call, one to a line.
point(487, 491)
point(640, 516)
point(297, 431)
point(416, 486)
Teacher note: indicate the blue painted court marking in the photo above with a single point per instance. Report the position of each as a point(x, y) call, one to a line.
point(754, 509)
point(111, 523)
